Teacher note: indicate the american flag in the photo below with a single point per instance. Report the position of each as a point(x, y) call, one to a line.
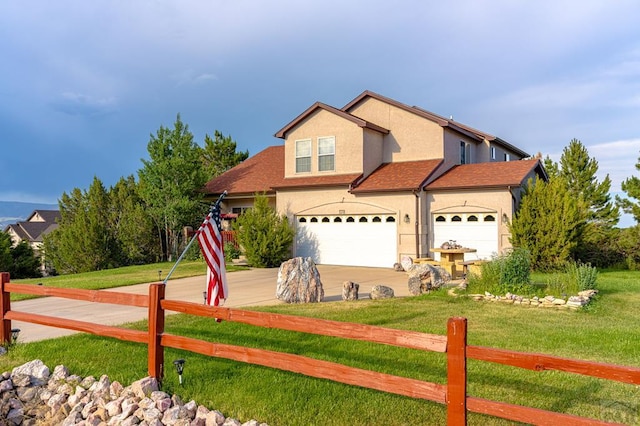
point(210, 241)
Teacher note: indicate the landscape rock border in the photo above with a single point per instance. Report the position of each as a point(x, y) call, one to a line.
point(30, 395)
point(572, 302)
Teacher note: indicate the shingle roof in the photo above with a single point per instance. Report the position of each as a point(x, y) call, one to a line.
point(48, 215)
point(309, 181)
point(256, 174)
point(402, 176)
point(494, 174)
point(319, 105)
point(442, 121)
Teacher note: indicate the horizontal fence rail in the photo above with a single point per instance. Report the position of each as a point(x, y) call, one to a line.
point(454, 345)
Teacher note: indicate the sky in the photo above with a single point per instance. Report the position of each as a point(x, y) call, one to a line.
point(86, 83)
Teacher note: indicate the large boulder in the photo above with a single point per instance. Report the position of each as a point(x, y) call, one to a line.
point(381, 292)
point(424, 278)
point(299, 281)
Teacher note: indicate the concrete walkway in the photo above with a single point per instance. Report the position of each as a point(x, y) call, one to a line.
point(253, 287)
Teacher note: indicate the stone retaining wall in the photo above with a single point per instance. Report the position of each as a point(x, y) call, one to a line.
point(573, 302)
point(30, 395)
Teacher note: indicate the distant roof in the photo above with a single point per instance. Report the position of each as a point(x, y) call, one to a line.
point(47, 215)
point(491, 174)
point(255, 174)
point(400, 176)
point(319, 105)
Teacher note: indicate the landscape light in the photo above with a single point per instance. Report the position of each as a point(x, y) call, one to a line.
point(204, 296)
point(179, 363)
point(159, 275)
point(14, 334)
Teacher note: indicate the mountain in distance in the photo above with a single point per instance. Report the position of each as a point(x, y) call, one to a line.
point(17, 211)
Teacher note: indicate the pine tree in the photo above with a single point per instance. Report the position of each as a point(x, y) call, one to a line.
point(547, 223)
point(631, 204)
point(219, 154)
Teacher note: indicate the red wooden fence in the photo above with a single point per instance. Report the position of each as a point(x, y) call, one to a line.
point(454, 344)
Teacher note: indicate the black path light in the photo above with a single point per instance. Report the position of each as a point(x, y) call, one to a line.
point(204, 296)
point(15, 332)
point(179, 363)
point(159, 274)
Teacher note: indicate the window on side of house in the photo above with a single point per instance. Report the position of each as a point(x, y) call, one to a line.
point(326, 153)
point(465, 153)
point(493, 152)
point(303, 156)
point(507, 157)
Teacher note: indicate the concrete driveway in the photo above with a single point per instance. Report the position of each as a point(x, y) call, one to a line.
point(252, 287)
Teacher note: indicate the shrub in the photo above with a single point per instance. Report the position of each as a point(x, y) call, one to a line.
point(574, 278)
point(264, 235)
point(231, 251)
point(505, 274)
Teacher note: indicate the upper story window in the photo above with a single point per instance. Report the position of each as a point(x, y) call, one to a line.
point(507, 157)
point(326, 153)
point(493, 152)
point(303, 156)
point(465, 153)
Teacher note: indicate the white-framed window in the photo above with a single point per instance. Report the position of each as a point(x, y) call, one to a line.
point(507, 157)
point(303, 156)
point(326, 154)
point(493, 152)
point(465, 153)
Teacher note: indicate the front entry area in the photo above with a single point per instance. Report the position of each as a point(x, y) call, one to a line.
point(350, 240)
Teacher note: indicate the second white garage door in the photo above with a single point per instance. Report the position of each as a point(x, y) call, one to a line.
point(367, 240)
point(473, 230)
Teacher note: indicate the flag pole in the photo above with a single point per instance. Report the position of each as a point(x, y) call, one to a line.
point(213, 208)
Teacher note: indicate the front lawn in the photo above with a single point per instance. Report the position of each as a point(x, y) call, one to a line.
point(608, 331)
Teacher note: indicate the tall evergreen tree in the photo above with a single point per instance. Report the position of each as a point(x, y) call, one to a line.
point(132, 226)
point(631, 204)
point(6, 261)
point(170, 183)
point(219, 154)
point(579, 170)
point(547, 223)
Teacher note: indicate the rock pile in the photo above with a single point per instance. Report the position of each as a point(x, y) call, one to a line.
point(573, 302)
point(424, 277)
point(30, 395)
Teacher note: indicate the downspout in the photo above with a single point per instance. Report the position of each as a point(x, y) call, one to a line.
point(417, 223)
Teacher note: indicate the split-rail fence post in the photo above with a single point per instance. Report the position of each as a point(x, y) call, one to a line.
point(457, 371)
point(5, 306)
point(156, 329)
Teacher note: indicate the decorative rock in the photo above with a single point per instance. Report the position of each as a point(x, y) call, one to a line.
point(299, 281)
point(35, 370)
point(350, 290)
point(90, 405)
point(398, 267)
point(407, 263)
point(381, 292)
point(424, 277)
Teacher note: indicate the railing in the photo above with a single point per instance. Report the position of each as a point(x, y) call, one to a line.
point(229, 237)
point(454, 344)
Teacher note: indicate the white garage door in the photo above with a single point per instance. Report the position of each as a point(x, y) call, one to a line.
point(472, 230)
point(367, 240)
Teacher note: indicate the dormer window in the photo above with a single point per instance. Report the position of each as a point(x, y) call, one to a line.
point(507, 157)
point(303, 156)
point(326, 154)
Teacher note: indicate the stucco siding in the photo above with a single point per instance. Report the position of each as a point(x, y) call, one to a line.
point(349, 141)
point(373, 150)
point(410, 137)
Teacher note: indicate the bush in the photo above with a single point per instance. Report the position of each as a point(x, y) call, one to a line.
point(505, 274)
point(264, 235)
point(231, 252)
point(574, 278)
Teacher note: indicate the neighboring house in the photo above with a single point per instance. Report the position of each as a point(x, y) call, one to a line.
point(377, 179)
point(33, 230)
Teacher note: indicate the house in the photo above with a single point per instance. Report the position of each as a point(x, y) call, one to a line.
point(377, 179)
point(38, 224)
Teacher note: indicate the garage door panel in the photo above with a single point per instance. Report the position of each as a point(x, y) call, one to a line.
point(480, 235)
point(348, 243)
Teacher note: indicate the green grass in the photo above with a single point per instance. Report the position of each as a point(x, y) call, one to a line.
point(129, 275)
point(609, 331)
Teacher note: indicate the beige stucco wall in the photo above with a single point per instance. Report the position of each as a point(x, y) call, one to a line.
point(373, 150)
point(333, 201)
point(411, 137)
point(498, 200)
point(349, 143)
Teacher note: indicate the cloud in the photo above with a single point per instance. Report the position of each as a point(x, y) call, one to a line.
point(83, 105)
